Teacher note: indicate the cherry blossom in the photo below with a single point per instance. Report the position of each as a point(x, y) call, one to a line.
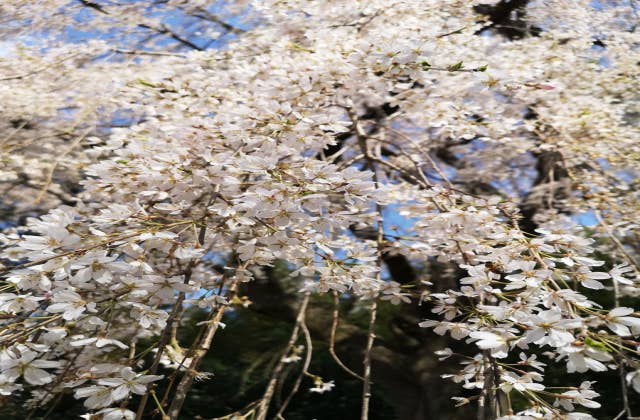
point(621, 324)
point(127, 383)
point(21, 361)
point(147, 175)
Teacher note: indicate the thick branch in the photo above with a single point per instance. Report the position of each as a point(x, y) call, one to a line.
point(201, 351)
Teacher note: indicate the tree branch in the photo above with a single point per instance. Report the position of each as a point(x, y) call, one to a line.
point(168, 31)
point(265, 402)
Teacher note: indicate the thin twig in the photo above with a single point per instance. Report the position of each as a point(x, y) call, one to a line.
point(141, 52)
point(455, 32)
point(203, 13)
point(51, 387)
point(168, 31)
point(38, 70)
point(164, 340)
point(616, 241)
point(366, 386)
point(305, 366)
point(14, 132)
point(616, 301)
point(53, 167)
point(94, 6)
point(332, 337)
point(265, 402)
point(177, 311)
point(620, 414)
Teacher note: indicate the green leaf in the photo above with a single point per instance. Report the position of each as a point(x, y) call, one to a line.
point(481, 68)
point(595, 344)
point(425, 65)
point(145, 83)
point(455, 67)
point(298, 47)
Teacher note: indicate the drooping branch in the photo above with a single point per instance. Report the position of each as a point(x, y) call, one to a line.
point(305, 367)
point(202, 348)
point(265, 402)
point(332, 337)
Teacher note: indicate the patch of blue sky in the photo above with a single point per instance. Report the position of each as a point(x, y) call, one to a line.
point(198, 294)
point(215, 258)
point(627, 176)
point(597, 4)
point(67, 113)
point(586, 218)
point(239, 20)
point(191, 28)
point(5, 224)
point(395, 223)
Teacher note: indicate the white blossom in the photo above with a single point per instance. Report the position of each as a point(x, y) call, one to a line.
point(322, 387)
point(621, 324)
point(498, 344)
point(70, 304)
point(21, 361)
point(127, 383)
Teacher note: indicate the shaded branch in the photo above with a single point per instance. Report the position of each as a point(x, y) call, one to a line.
point(169, 32)
point(206, 15)
point(265, 402)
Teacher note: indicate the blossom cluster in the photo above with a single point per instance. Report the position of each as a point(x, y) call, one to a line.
point(285, 146)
